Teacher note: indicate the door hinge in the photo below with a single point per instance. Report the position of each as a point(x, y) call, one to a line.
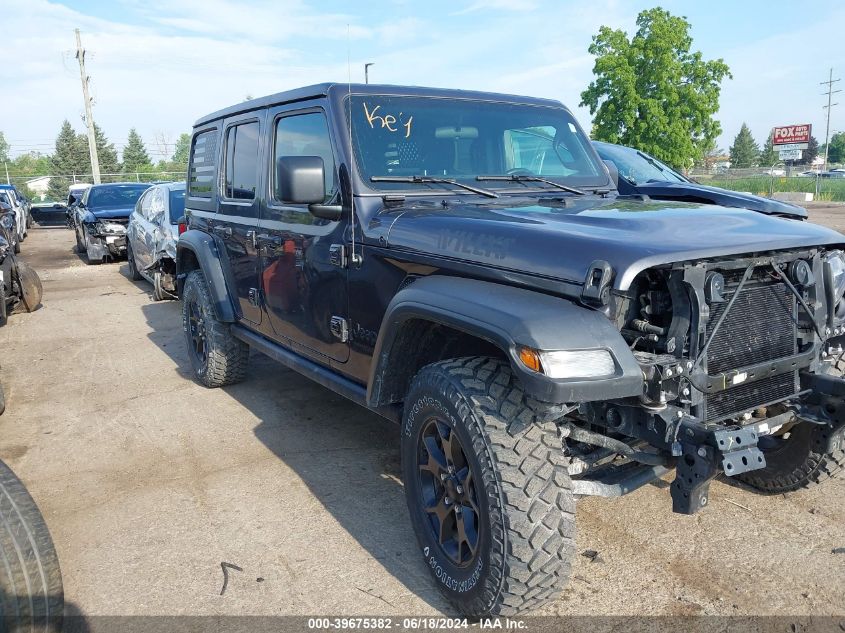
point(340, 256)
point(253, 296)
point(339, 328)
point(337, 255)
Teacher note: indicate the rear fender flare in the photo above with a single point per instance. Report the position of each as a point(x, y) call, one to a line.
point(207, 254)
point(509, 318)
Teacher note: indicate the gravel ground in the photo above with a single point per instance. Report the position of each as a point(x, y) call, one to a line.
point(148, 482)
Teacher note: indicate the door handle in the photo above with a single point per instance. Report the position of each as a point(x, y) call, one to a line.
point(273, 241)
point(225, 231)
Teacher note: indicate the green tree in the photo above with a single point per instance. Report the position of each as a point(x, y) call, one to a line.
point(836, 151)
point(106, 153)
point(69, 158)
point(4, 147)
point(809, 154)
point(744, 151)
point(652, 92)
point(768, 156)
point(135, 157)
point(183, 149)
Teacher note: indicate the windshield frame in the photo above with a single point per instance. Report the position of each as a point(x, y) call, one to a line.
point(365, 187)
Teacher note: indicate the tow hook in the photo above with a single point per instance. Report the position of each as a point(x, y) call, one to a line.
point(705, 452)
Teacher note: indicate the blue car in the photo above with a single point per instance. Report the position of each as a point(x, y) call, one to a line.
point(101, 217)
point(641, 174)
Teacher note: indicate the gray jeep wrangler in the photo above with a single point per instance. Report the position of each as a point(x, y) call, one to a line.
point(463, 264)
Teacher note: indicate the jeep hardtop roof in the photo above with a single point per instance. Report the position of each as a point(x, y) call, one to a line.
point(326, 89)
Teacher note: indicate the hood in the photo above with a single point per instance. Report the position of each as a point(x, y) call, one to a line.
point(560, 242)
point(111, 212)
point(716, 195)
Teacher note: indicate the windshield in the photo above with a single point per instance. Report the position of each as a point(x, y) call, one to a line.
point(463, 139)
point(637, 167)
point(177, 205)
point(114, 196)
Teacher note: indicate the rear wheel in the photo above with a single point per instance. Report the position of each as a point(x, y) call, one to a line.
point(492, 509)
point(31, 594)
point(217, 357)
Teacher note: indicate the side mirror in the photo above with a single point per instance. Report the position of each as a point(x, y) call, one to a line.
point(613, 171)
point(302, 180)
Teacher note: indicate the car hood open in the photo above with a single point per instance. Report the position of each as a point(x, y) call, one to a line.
point(561, 240)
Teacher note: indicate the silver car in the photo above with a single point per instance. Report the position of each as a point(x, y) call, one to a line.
point(151, 237)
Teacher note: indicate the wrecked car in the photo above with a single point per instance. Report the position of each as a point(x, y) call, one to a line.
point(20, 285)
point(154, 228)
point(100, 219)
point(463, 263)
point(642, 174)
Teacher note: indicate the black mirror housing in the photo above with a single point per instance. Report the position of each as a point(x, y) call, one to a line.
point(301, 179)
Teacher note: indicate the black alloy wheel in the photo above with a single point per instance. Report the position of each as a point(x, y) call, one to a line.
point(197, 333)
point(447, 492)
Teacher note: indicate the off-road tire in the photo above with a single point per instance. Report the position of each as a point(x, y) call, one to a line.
point(134, 275)
point(227, 357)
point(801, 462)
point(31, 594)
point(526, 507)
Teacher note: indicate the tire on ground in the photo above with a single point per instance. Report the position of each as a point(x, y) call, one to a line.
point(526, 508)
point(31, 594)
point(227, 357)
point(134, 275)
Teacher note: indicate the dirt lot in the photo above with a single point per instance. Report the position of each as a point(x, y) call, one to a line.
point(149, 481)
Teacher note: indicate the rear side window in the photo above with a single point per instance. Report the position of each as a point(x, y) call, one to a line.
point(201, 172)
point(304, 135)
point(242, 161)
point(177, 205)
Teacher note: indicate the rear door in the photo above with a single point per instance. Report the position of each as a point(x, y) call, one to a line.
point(139, 229)
point(237, 219)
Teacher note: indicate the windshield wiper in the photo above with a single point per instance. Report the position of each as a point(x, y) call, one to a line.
point(434, 179)
point(650, 160)
point(526, 178)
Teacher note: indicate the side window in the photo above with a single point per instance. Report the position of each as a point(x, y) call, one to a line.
point(241, 172)
point(143, 206)
point(303, 135)
point(201, 171)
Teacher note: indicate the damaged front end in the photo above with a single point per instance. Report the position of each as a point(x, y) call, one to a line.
point(105, 238)
point(735, 355)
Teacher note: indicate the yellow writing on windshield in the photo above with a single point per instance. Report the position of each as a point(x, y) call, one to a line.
point(393, 123)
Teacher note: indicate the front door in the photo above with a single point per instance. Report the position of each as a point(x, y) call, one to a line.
point(304, 293)
point(237, 219)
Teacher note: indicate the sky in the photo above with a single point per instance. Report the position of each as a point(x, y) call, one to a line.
point(158, 65)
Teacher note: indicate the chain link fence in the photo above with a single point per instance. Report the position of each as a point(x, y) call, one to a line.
point(766, 181)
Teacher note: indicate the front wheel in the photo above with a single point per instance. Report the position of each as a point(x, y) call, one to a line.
point(31, 595)
point(217, 357)
point(492, 509)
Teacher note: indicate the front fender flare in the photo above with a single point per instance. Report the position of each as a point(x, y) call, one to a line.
point(510, 318)
point(205, 250)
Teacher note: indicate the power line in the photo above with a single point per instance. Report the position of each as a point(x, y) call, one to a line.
point(830, 92)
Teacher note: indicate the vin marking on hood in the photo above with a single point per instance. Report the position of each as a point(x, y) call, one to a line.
point(481, 244)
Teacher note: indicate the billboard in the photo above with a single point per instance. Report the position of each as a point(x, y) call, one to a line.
point(791, 134)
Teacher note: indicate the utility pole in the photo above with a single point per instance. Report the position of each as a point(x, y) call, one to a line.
point(6, 165)
point(367, 71)
point(830, 92)
point(89, 116)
